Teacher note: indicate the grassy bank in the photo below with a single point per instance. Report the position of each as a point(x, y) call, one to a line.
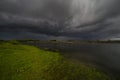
point(22, 62)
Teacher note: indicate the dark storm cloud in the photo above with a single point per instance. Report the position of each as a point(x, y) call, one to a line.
point(83, 19)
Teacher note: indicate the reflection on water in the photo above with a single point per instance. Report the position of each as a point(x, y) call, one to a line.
point(105, 55)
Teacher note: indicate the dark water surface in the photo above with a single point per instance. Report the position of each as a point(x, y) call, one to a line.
point(106, 55)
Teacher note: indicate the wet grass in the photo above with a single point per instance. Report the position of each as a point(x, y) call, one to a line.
point(22, 62)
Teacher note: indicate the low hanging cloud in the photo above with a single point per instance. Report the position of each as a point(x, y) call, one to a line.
point(65, 19)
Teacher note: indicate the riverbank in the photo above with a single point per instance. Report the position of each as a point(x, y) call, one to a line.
point(22, 62)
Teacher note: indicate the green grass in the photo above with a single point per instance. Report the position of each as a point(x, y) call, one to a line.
point(22, 62)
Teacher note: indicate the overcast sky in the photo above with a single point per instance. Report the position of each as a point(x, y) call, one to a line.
point(59, 19)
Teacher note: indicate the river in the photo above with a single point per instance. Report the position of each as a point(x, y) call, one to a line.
point(105, 55)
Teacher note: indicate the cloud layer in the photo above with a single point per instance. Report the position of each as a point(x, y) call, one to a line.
point(46, 19)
